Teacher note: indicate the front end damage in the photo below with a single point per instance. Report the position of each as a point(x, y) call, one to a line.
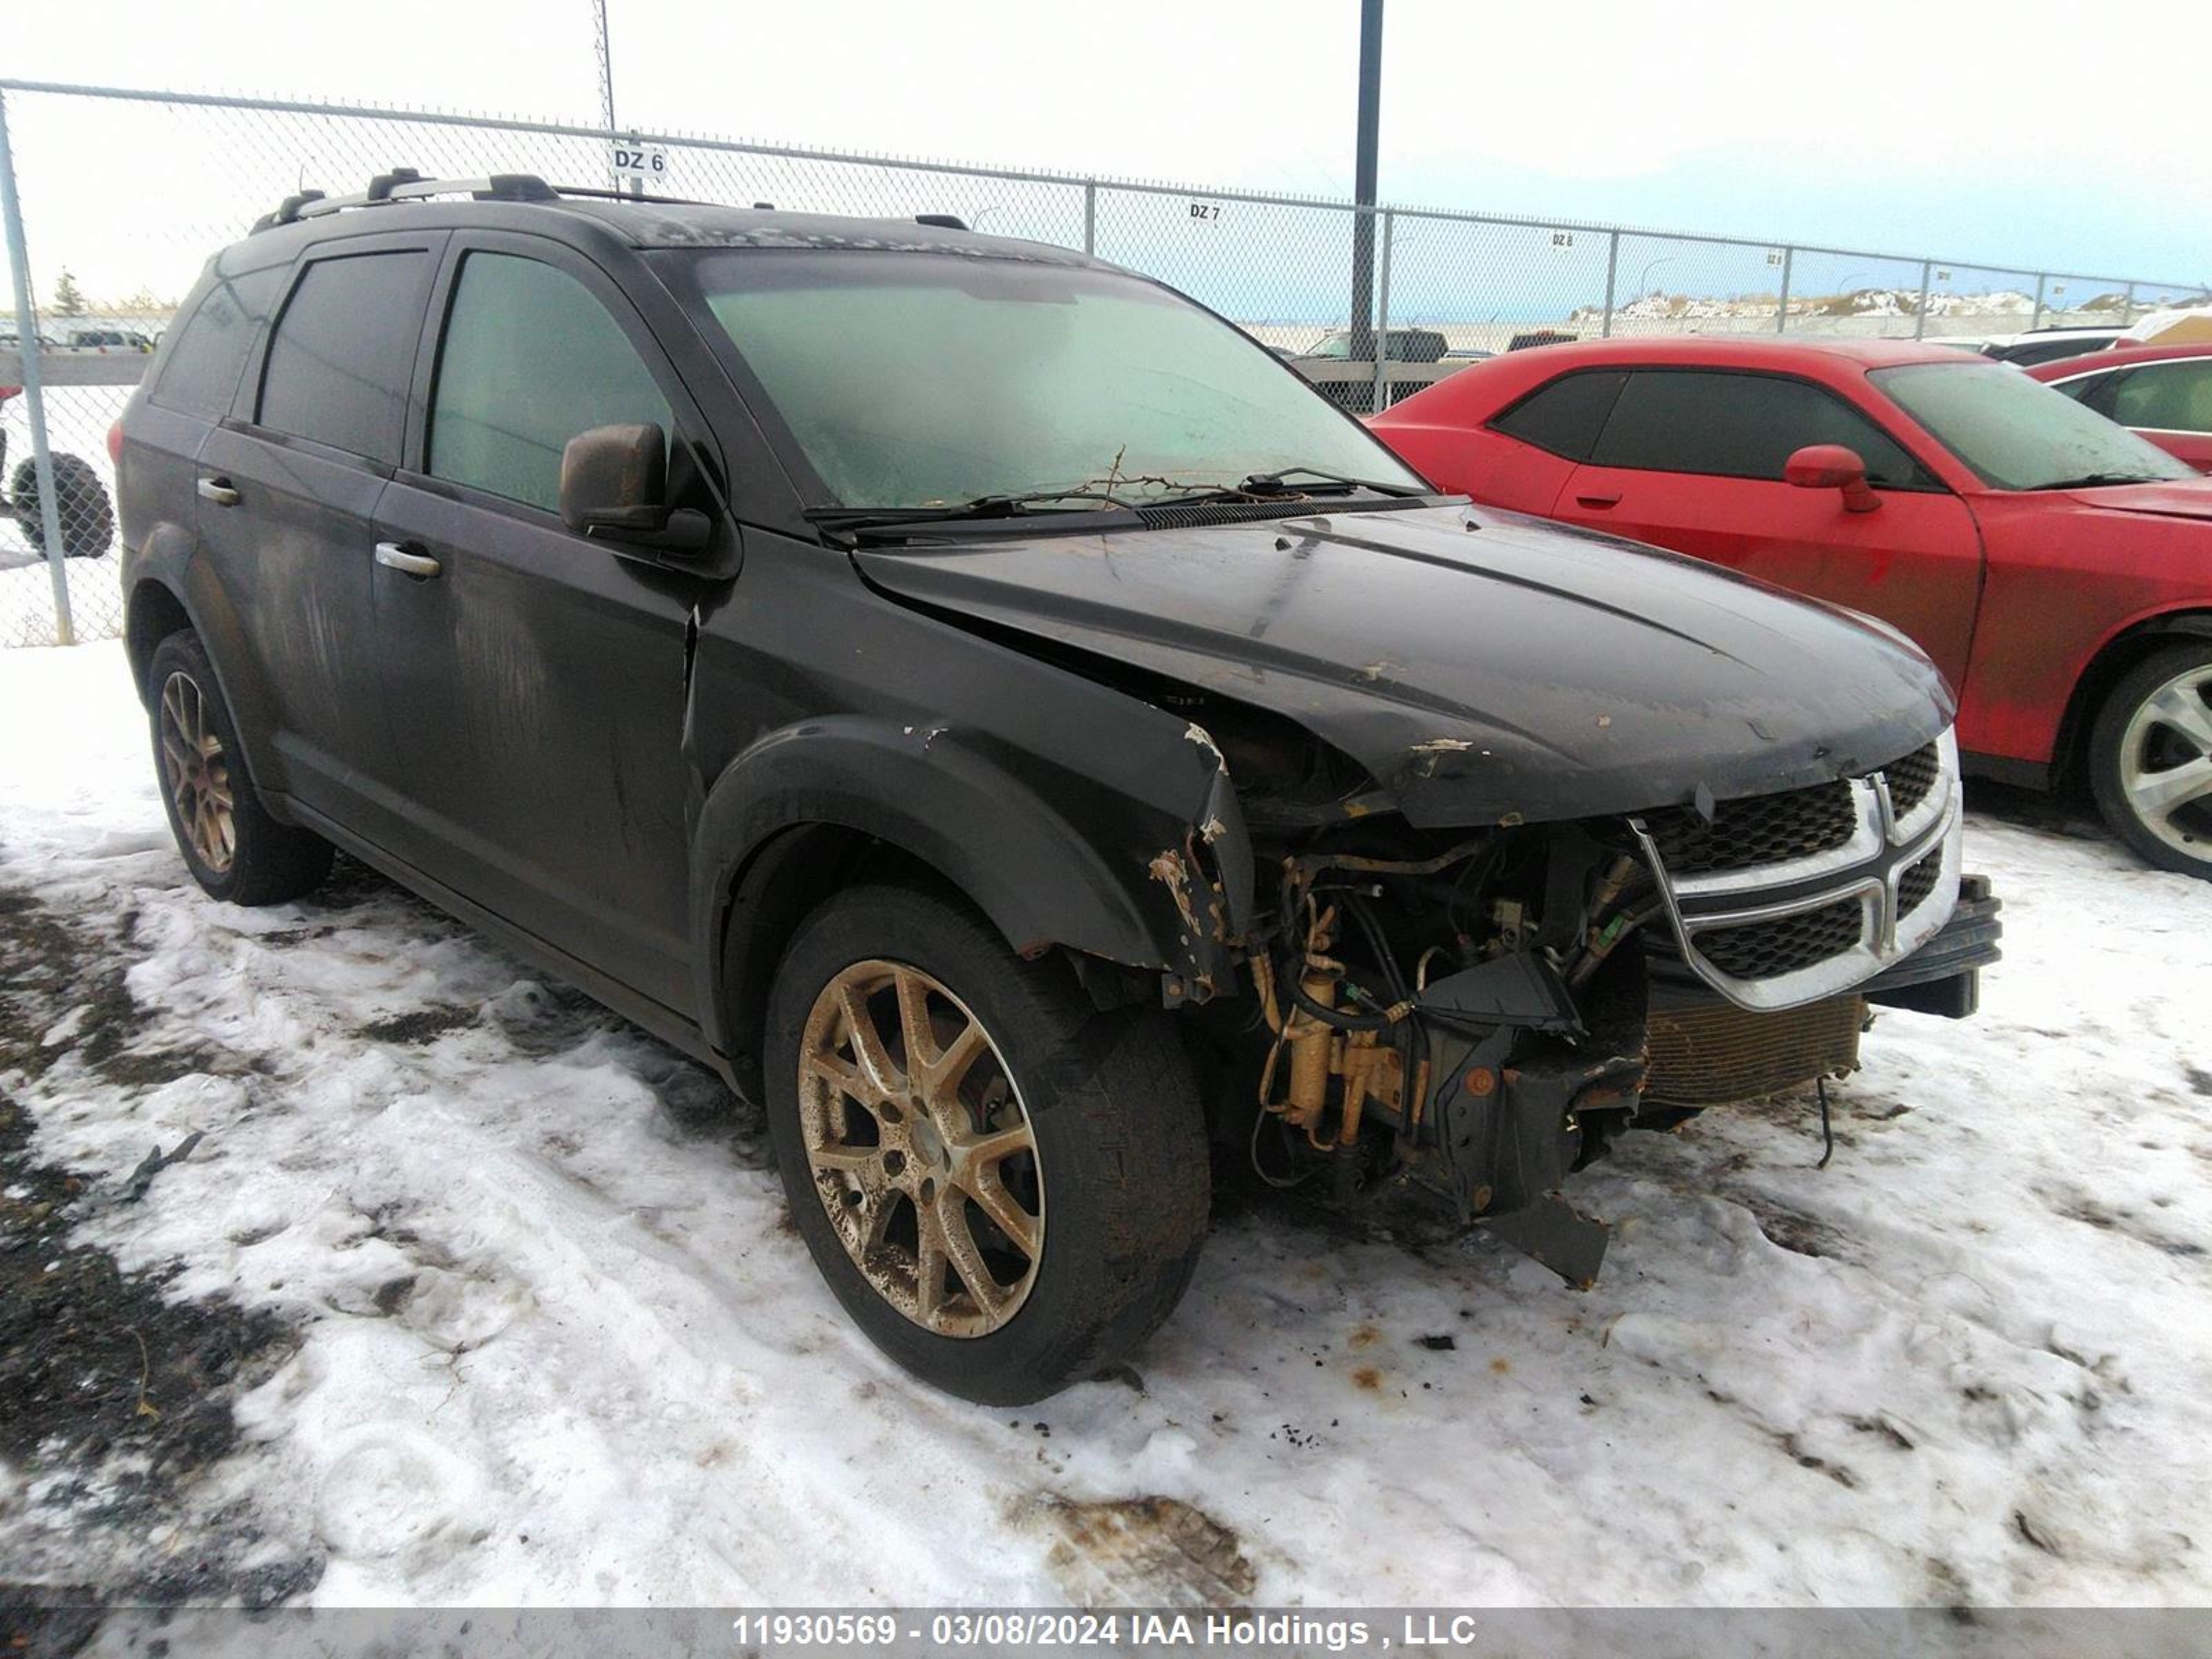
point(1466, 1019)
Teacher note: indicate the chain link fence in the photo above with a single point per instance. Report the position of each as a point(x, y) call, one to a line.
point(116, 198)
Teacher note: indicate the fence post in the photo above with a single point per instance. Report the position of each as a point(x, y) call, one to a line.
point(1382, 397)
point(1090, 216)
point(1782, 311)
point(1920, 316)
point(34, 402)
point(2035, 317)
point(1612, 265)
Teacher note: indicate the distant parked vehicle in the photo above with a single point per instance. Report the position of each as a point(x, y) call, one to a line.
point(1540, 336)
point(2043, 345)
point(109, 339)
point(2057, 567)
point(1343, 369)
point(2163, 393)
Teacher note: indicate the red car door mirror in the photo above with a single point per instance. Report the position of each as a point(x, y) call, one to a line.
point(1832, 466)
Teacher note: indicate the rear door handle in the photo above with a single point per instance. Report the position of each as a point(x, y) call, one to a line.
point(395, 555)
point(220, 491)
point(1599, 499)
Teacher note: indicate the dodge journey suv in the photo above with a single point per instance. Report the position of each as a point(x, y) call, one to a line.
point(1009, 726)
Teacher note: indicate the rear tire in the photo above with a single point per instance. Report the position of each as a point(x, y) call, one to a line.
point(2150, 758)
point(88, 516)
point(1104, 1201)
point(234, 848)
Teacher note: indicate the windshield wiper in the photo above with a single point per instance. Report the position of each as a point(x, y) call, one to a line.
point(980, 506)
point(2092, 480)
point(1267, 483)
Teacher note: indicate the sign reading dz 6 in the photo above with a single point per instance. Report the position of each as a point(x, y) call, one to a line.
point(647, 163)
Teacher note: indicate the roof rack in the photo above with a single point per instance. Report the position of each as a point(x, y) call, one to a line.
point(406, 184)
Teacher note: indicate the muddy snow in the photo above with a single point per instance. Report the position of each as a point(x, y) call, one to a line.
point(470, 1294)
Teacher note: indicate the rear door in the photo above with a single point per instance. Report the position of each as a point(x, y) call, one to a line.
point(1693, 459)
point(2169, 402)
point(536, 680)
point(288, 490)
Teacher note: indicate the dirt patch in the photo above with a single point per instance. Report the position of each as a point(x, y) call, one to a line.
point(114, 1397)
point(420, 1025)
point(1145, 1551)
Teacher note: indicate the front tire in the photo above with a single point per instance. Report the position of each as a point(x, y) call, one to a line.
point(234, 848)
point(1005, 1189)
point(2150, 758)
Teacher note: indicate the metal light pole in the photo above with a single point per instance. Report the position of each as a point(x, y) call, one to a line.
point(1362, 179)
point(606, 86)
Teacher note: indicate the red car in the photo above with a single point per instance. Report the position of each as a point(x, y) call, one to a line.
point(2163, 393)
point(2057, 567)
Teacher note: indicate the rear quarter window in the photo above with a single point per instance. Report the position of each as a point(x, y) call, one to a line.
point(1565, 417)
point(207, 351)
point(343, 353)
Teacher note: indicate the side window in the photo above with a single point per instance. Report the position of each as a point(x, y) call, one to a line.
point(1566, 416)
point(2094, 390)
point(207, 351)
point(2166, 397)
point(1739, 426)
point(530, 360)
point(339, 362)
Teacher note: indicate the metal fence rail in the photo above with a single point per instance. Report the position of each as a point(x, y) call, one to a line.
point(129, 191)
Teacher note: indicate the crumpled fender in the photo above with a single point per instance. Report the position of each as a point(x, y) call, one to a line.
point(1144, 861)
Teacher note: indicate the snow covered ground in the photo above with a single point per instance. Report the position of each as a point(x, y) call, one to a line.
point(553, 1341)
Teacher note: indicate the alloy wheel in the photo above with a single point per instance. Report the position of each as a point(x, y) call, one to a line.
point(2165, 763)
point(196, 769)
point(920, 1148)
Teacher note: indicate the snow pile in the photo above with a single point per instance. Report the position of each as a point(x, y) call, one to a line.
point(558, 1343)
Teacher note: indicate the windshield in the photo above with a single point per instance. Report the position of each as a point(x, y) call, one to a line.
point(2018, 433)
point(1338, 344)
point(928, 380)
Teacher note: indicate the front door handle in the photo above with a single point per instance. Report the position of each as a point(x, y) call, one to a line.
point(1599, 498)
point(396, 555)
point(220, 491)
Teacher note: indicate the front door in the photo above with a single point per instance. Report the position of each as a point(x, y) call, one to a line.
point(536, 681)
point(1693, 459)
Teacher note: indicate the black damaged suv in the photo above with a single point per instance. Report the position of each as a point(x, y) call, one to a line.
point(1005, 722)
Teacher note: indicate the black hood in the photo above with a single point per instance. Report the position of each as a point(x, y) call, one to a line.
point(1479, 665)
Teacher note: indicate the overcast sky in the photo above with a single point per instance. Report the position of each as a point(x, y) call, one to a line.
point(2017, 134)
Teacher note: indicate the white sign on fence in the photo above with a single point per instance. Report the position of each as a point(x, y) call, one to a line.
point(642, 164)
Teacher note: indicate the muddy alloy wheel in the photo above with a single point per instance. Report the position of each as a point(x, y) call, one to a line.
point(920, 1149)
point(2165, 763)
point(197, 770)
point(2151, 758)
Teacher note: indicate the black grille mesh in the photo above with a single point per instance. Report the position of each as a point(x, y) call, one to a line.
point(1911, 778)
point(1765, 949)
point(1769, 829)
point(1763, 830)
point(1918, 883)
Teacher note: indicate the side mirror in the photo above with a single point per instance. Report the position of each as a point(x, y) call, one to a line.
point(1832, 466)
point(614, 488)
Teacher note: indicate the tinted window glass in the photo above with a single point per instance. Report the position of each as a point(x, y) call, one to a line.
point(1566, 416)
point(339, 362)
point(1737, 426)
point(531, 359)
point(2166, 397)
point(207, 351)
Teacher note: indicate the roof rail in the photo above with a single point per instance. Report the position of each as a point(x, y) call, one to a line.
point(406, 184)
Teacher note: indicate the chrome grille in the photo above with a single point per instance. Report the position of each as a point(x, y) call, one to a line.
point(1782, 899)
